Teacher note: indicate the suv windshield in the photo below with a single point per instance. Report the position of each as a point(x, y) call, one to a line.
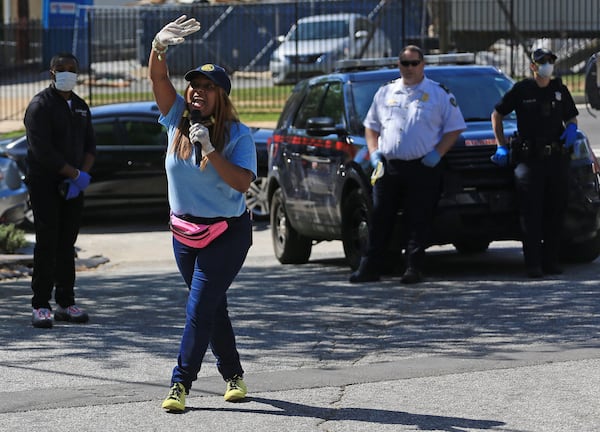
point(479, 104)
point(474, 105)
point(320, 30)
point(362, 93)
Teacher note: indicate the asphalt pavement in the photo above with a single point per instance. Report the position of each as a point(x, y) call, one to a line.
point(477, 347)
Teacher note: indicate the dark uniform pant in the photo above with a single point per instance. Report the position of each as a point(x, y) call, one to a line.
point(416, 188)
point(542, 192)
point(57, 223)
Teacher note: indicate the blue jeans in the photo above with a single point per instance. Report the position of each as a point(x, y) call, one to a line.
point(208, 273)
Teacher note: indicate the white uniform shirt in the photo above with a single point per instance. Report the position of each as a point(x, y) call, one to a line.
point(412, 119)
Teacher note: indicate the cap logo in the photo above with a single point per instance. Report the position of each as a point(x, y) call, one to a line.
point(207, 68)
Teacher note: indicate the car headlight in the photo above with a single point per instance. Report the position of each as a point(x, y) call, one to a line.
point(583, 153)
point(10, 177)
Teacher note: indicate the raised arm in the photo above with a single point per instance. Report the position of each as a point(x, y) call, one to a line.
point(172, 34)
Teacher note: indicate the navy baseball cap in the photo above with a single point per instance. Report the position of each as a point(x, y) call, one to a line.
point(213, 72)
point(540, 53)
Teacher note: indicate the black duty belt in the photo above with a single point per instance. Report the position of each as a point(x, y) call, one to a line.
point(553, 148)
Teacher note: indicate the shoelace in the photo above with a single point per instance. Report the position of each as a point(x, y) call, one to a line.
point(175, 392)
point(73, 310)
point(233, 382)
point(43, 313)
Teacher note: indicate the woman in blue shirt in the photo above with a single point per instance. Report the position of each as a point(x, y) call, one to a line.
point(210, 164)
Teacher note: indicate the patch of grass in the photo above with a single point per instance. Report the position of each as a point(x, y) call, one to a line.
point(11, 238)
point(13, 134)
point(253, 104)
point(256, 104)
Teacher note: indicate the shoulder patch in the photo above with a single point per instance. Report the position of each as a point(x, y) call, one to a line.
point(446, 89)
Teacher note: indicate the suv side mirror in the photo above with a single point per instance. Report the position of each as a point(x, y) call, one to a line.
point(361, 34)
point(322, 126)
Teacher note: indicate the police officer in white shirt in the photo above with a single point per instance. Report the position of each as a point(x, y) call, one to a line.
point(411, 124)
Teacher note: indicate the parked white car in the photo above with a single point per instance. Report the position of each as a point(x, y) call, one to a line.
point(13, 193)
point(315, 43)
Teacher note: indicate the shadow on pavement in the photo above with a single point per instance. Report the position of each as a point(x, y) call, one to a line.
point(308, 314)
point(387, 417)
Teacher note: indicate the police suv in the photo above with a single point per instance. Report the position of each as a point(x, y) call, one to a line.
point(319, 173)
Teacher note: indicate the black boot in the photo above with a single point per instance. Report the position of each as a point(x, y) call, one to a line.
point(365, 273)
point(411, 276)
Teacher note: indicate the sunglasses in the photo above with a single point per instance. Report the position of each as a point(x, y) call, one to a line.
point(407, 63)
point(545, 60)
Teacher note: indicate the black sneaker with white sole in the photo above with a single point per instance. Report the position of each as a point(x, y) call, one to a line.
point(71, 313)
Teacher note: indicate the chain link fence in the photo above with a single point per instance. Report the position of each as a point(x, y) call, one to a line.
point(113, 43)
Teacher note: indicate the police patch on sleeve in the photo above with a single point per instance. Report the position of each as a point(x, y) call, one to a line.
point(453, 102)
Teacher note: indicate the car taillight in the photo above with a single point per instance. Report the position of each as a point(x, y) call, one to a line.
point(273, 145)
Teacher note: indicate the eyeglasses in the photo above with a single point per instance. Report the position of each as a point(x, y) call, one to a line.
point(206, 87)
point(545, 60)
point(407, 63)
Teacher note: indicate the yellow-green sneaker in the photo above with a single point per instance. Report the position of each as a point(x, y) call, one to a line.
point(175, 401)
point(236, 389)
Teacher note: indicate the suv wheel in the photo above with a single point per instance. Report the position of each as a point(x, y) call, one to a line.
point(289, 246)
point(256, 198)
point(355, 226)
point(581, 252)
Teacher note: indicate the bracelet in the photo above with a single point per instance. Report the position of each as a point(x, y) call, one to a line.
point(159, 49)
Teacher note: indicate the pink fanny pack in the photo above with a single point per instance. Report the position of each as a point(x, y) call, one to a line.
point(194, 234)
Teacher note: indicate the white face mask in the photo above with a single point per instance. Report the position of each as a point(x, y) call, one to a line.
point(545, 70)
point(65, 81)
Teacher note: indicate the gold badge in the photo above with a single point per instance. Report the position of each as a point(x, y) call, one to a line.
point(208, 67)
point(425, 97)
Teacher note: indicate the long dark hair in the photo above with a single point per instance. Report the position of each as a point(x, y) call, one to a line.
point(224, 115)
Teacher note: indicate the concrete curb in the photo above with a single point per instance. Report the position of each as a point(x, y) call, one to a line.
point(21, 265)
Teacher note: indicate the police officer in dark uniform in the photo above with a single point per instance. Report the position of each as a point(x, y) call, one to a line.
point(547, 130)
point(61, 151)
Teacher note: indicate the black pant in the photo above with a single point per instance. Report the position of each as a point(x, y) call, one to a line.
point(57, 223)
point(542, 192)
point(416, 188)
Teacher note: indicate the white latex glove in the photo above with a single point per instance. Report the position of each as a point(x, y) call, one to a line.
point(199, 135)
point(175, 32)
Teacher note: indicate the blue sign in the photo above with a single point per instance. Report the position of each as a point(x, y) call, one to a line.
point(65, 29)
point(62, 13)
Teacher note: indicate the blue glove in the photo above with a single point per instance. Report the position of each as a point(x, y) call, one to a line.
point(375, 158)
point(431, 159)
point(500, 158)
point(82, 181)
point(569, 135)
point(73, 190)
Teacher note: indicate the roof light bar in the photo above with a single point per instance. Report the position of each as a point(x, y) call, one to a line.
point(392, 62)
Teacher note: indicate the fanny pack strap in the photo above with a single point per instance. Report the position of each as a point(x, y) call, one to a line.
point(196, 235)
